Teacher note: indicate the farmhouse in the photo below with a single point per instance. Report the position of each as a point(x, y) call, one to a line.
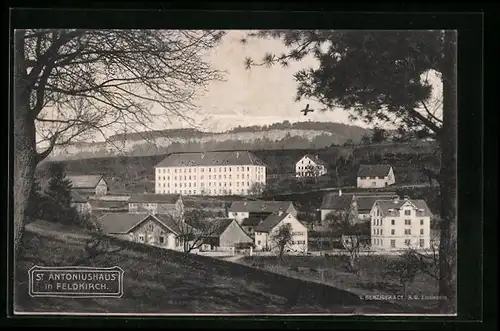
point(228, 234)
point(310, 166)
point(266, 231)
point(159, 230)
point(171, 204)
point(375, 176)
point(89, 184)
point(399, 223)
point(80, 203)
point(239, 210)
point(341, 203)
point(209, 173)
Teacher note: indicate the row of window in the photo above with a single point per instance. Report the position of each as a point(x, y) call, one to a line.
point(202, 177)
point(220, 169)
point(203, 191)
point(368, 178)
point(380, 232)
point(203, 184)
point(379, 222)
point(380, 242)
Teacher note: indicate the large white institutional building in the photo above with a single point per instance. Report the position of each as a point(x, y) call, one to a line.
point(209, 173)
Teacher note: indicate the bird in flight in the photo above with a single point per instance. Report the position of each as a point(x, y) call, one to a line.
point(306, 110)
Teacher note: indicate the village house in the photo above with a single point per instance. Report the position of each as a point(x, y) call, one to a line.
point(89, 185)
point(250, 223)
point(171, 204)
point(400, 223)
point(340, 204)
point(310, 166)
point(375, 176)
point(239, 210)
point(209, 173)
point(266, 231)
point(228, 234)
point(80, 203)
point(157, 230)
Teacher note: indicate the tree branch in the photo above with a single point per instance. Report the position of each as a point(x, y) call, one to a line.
point(431, 114)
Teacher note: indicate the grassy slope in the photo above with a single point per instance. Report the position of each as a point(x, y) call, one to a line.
point(371, 281)
point(155, 284)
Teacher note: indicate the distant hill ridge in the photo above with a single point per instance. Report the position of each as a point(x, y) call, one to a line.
point(284, 135)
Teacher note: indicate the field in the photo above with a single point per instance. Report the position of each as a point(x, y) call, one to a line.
point(158, 281)
point(370, 281)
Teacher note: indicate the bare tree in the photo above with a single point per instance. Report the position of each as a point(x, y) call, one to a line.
point(282, 238)
point(73, 85)
point(194, 232)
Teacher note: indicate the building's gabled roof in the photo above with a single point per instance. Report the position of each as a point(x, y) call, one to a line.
point(120, 223)
point(176, 226)
point(84, 181)
point(108, 204)
point(221, 225)
point(77, 197)
point(270, 222)
point(334, 201)
point(259, 206)
point(365, 203)
point(377, 170)
point(154, 198)
point(387, 205)
point(315, 158)
point(218, 158)
point(252, 221)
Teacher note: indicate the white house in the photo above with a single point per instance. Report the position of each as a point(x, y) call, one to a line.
point(399, 223)
point(310, 166)
point(266, 231)
point(209, 173)
point(240, 210)
point(375, 176)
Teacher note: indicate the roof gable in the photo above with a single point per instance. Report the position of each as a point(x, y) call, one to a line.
point(84, 181)
point(377, 170)
point(270, 222)
point(215, 158)
point(120, 223)
point(419, 205)
point(221, 225)
point(313, 158)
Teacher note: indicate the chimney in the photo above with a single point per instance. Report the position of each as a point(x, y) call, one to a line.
point(396, 199)
point(280, 211)
point(237, 154)
point(340, 192)
point(202, 155)
point(406, 198)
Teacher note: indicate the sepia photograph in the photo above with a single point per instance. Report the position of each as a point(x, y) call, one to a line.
point(234, 172)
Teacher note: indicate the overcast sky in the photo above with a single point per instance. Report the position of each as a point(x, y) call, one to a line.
point(257, 96)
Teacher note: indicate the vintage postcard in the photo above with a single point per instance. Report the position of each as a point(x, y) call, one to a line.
point(234, 172)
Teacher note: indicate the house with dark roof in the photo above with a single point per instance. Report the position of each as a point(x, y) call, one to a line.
point(239, 210)
point(89, 184)
point(342, 203)
point(227, 234)
point(80, 203)
point(310, 166)
point(158, 230)
point(250, 223)
point(210, 173)
point(265, 233)
point(171, 204)
point(400, 223)
point(375, 176)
